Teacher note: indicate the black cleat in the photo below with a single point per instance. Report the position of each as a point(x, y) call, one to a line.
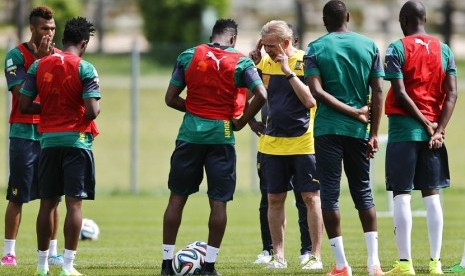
point(166, 268)
point(209, 269)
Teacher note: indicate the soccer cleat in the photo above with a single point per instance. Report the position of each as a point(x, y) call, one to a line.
point(402, 267)
point(304, 258)
point(166, 268)
point(73, 272)
point(213, 272)
point(435, 267)
point(346, 271)
point(263, 258)
point(313, 263)
point(457, 268)
point(42, 272)
point(55, 260)
point(9, 260)
point(276, 263)
point(375, 270)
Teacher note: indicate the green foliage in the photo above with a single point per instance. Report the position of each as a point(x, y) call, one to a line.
point(64, 10)
point(172, 25)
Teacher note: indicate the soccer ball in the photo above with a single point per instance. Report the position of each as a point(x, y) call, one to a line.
point(199, 246)
point(89, 230)
point(189, 260)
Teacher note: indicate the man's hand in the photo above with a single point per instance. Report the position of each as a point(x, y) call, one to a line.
point(437, 140)
point(364, 114)
point(431, 128)
point(45, 48)
point(283, 60)
point(256, 54)
point(257, 127)
point(372, 147)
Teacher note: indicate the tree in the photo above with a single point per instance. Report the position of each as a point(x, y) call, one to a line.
point(172, 25)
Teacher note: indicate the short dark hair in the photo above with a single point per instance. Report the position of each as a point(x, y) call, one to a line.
point(335, 12)
point(224, 25)
point(40, 12)
point(77, 29)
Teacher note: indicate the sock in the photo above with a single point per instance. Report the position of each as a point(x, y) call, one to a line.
point(337, 247)
point(168, 251)
point(42, 259)
point(9, 247)
point(435, 221)
point(371, 240)
point(403, 225)
point(68, 260)
point(212, 254)
point(53, 248)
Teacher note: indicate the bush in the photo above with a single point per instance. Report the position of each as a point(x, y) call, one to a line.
point(171, 26)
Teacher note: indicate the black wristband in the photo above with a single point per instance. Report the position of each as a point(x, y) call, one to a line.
point(290, 76)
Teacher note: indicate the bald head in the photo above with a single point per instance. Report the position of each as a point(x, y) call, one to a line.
point(412, 17)
point(413, 10)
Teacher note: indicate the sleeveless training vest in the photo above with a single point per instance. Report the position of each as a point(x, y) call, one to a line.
point(60, 90)
point(212, 94)
point(423, 77)
point(16, 116)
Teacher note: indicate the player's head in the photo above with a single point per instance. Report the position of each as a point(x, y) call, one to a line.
point(274, 34)
point(412, 15)
point(77, 34)
point(295, 35)
point(224, 32)
point(335, 15)
point(41, 23)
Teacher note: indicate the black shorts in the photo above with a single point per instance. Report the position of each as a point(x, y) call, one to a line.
point(187, 165)
point(278, 171)
point(24, 163)
point(67, 171)
point(333, 150)
point(413, 166)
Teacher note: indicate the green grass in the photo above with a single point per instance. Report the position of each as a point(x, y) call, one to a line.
point(131, 235)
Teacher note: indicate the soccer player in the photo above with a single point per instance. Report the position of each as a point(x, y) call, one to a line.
point(340, 67)
point(69, 92)
point(286, 147)
point(216, 76)
point(419, 105)
point(267, 245)
point(24, 138)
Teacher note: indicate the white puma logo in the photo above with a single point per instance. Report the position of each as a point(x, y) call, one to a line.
point(419, 41)
point(61, 57)
point(212, 56)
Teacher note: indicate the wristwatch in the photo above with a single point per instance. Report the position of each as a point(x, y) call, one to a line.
point(290, 76)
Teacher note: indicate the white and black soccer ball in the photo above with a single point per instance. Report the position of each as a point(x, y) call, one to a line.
point(199, 246)
point(188, 261)
point(89, 230)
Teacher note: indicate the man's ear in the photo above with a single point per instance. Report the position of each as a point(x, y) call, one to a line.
point(348, 17)
point(233, 40)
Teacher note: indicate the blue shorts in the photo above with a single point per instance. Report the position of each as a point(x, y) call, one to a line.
point(333, 150)
point(24, 163)
point(67, 171)
point(187, 165)
point(280, 170)
point(413, 166)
